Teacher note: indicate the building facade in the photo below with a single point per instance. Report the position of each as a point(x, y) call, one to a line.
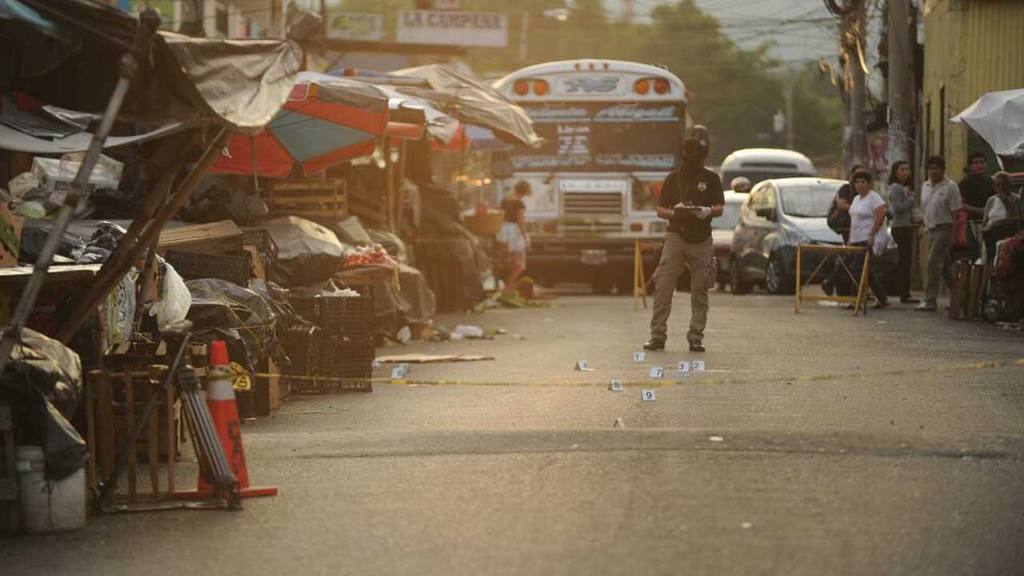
point(220, 18)
point(970, 47)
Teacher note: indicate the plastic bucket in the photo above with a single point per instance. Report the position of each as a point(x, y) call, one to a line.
point(48, 506)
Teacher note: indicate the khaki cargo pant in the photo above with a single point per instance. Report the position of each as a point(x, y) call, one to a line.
point(700, 259)
point(939, 239)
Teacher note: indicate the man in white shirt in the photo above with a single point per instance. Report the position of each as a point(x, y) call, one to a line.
point(940, 201)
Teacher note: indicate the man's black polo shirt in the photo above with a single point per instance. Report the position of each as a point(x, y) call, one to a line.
point(701, 189)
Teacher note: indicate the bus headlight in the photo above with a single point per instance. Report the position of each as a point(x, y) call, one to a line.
point(645, 195)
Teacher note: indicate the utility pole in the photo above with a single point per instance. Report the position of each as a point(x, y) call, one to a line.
point(901, 62)
point(524, 34)
point(858, 97)
point(788, 94)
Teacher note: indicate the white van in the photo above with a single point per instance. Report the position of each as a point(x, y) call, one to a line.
point(758, 164)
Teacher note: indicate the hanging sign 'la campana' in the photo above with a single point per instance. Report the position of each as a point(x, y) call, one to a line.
point(485, 29)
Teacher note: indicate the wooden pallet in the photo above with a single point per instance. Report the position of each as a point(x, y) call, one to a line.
point(315, 199)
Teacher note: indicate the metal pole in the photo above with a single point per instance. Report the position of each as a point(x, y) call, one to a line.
point(149, 21)
point(901, 61)
point(113, 270)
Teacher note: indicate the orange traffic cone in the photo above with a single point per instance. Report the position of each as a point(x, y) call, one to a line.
point(220, 399)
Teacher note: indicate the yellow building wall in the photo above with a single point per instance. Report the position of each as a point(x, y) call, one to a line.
point(971, 47)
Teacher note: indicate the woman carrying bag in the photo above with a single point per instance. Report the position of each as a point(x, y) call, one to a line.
point(867, 229)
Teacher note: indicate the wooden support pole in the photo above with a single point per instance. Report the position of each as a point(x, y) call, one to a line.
point(114, 269)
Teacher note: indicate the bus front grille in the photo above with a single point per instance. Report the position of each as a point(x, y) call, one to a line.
point(591, 203)
point(590, 228)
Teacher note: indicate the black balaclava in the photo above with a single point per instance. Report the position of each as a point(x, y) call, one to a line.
point(692, 156)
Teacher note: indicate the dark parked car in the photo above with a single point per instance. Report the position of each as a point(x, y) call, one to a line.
point(779, 215)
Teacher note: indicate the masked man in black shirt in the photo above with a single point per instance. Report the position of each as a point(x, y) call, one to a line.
point(690, 197)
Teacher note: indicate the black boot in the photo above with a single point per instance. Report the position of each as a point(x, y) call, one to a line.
point(654, 344)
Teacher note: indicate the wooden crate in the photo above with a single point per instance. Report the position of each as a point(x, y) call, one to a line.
point(114, 403)
point(315, 199)
point(268, 389)
point(369, 206)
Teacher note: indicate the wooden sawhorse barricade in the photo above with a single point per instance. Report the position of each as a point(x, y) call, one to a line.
point(833, 252)
point(639, 276)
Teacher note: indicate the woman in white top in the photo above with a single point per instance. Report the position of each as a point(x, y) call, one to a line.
point(867, 216)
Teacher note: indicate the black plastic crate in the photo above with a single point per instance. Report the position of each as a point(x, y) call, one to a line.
point(350, 316)
point(303, 348)
point(196, 266)
point(347, 358)
point(261, 239)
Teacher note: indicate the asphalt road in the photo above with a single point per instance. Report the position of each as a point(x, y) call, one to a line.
point(814, 444)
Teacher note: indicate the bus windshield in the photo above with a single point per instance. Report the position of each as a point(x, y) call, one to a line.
point(603, 137)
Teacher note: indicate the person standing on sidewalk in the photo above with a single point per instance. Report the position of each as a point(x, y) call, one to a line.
point(940, 201)
point(690, 197)
point(903, 199)
point(839, 221)
point(513, 240)
point(867, 217)
point(976, 187)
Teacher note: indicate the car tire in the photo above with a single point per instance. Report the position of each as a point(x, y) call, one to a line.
point(737, 284)
point(776, 281)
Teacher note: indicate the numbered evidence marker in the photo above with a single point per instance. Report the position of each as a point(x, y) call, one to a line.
point(648, 395)
point(615, 386)
point(698, 365)
point(639, 356)
point(683, 369)
point(657, 372)
point(583, 366)
point(399, 372)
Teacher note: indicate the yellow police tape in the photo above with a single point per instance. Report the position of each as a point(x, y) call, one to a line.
point(326, 381)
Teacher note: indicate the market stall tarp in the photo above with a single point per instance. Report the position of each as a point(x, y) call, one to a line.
point(33, 132)
point(471, 102)
point(326, 121)
point(998, 117)
point(239, 83)
point(438, 124)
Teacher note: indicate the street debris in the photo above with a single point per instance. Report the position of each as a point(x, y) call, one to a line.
point(716, 439)
point(399, 372)
point(619, 423)
point(468, 331)
point(431, 358)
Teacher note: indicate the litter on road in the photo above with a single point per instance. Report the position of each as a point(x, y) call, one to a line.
point(431, 358)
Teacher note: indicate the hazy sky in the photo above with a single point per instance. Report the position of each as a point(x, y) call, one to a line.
point(802, 29)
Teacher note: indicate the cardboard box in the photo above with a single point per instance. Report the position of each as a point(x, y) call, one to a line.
point(55, 175)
